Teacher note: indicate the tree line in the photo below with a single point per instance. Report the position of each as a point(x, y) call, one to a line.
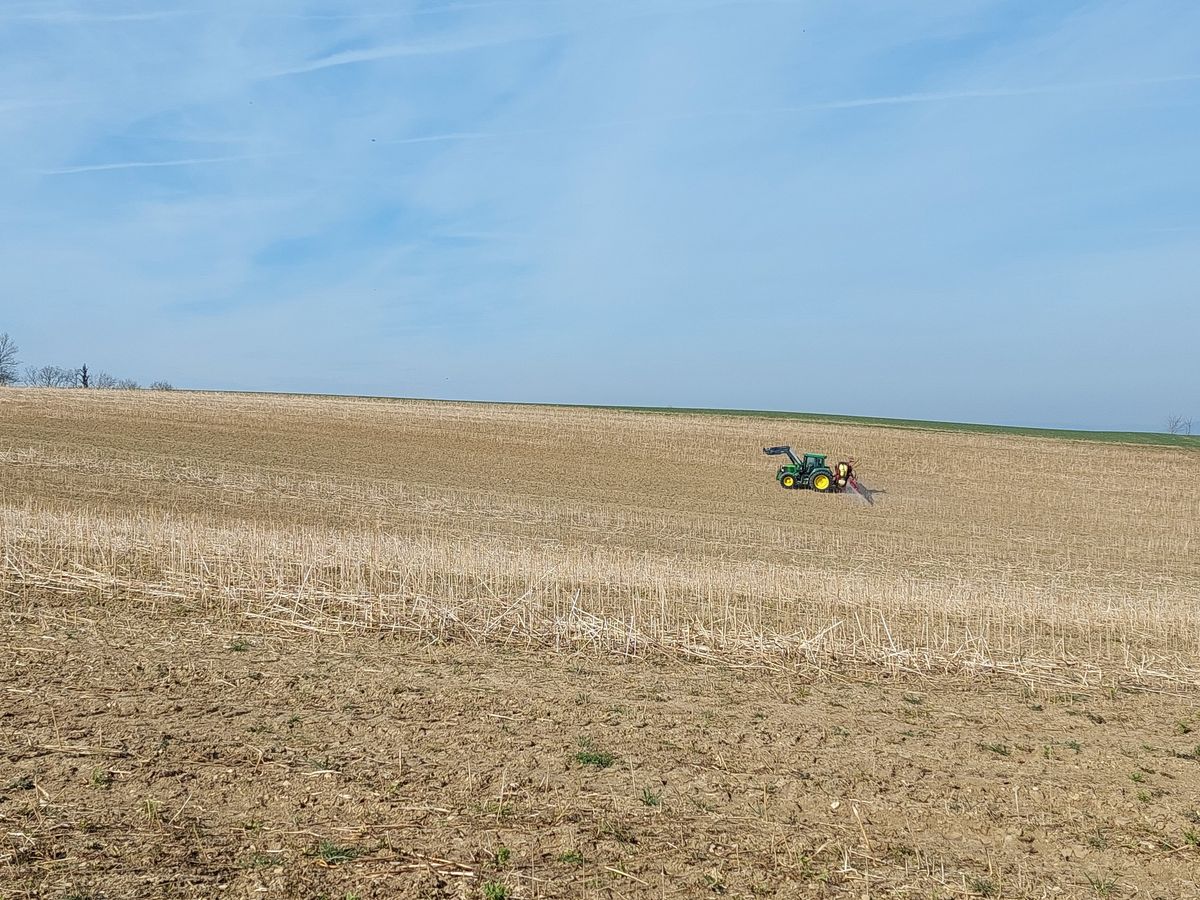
point(11, 373)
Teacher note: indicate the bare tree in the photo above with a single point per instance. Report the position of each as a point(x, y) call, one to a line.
point(58, 377)
point(112, 383)
point(1178, 425)
point(161, 386)
point(8, 360)
point(49, 377)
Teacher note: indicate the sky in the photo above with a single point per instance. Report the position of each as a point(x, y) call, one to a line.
point(960, 210)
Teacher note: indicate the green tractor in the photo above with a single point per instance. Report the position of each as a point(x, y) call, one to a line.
point(812, 472)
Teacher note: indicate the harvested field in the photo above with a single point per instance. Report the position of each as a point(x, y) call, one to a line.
point(292, 646)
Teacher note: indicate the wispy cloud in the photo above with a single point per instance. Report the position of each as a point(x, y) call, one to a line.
point(249, 157)
point(398, 51)
point(606, 19)
point(443, 138)
point(80, 17)
point(985, 93)
point(40, 102)
point(411, 12)
point(449, 137)
point(155, 164)
point(847, 104)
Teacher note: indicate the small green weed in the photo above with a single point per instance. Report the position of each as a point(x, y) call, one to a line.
point(263, 860)
point(618, 832)
point(984, 887)
point(24, 783)
point(102, 778)
point(1137, 777)
point(496, 890)
point(1182, 727)
point(1074, 745)
point(1103, 885)
point(999, 750)
point(714, 881)
point(335, 854)
point(588, 755)
point(571, 857)
point(1191, 837)
point(503, 855)
point(240, 645)
point(601, 759)
point(649, 798)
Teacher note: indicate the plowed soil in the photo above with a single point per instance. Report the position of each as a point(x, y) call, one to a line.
point(151, 754)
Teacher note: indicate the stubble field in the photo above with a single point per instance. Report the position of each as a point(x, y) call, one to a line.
point(300, 646)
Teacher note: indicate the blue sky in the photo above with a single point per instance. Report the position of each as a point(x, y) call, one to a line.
point(948, 209)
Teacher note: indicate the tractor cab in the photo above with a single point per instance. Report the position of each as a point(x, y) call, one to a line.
point(813, 461)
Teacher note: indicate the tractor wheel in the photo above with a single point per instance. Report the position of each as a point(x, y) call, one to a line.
point(787, 482)
point(822, 482)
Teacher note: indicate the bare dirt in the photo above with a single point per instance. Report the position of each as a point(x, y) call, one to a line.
point(151, 752)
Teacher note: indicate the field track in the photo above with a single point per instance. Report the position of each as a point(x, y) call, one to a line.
point(296, 646)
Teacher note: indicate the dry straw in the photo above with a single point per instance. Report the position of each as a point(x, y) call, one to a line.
point(610, 532)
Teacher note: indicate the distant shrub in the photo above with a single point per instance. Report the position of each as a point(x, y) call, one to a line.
point(111, 383)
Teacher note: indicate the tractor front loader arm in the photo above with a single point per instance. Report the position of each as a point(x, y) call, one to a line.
point(782, 451)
